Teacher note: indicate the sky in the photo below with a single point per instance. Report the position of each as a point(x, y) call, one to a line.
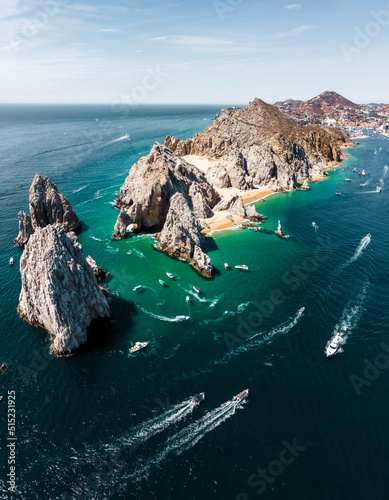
point(183, 52)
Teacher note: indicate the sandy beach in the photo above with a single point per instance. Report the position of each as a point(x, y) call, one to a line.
point(221, 220)
point(356, 137)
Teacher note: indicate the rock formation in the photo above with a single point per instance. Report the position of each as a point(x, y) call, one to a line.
point(181, 236)
point(47, 206)
point(59, 292)
point(25, 229)
point(233, 205)
point(100, 273)
point(253, 215)
point(225, 113)
point(260, 146)
point(145, 200)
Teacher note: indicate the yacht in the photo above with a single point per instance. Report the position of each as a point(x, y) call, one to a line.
point(138, 346)
point(240, 397)
point(242, 267)
point(170, 275)
point(138, 287)
point(11, 261)
point(197, 289)
point(226, 266)
point(301, 311)
point(333, 347)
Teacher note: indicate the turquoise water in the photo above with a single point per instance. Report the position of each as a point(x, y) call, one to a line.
point(108, 425)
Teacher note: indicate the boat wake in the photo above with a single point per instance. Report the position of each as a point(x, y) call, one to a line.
point(96, 239)
point(386, 169)
point(365, 184)
point(158, 316)
point(350, 318)
point(187, 437)
point(137, 253)
point(80, 189)
point(226, 314)
point(122, 138)
point(315, 226)
point(364, 243)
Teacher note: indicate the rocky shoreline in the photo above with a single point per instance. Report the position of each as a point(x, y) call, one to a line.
point(244, 150)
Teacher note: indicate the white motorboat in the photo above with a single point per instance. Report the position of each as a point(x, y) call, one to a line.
point(11, 261)
point(197, 398)
point(182, 318)
point(240, 397)
point(378, 189)
point(197, 289)
point(301, 311)
point(333, 347)
point(138, 346)
point(242, 267)
point(170, 275)
point(138, 287)
point(187, 299)
point(226, 266)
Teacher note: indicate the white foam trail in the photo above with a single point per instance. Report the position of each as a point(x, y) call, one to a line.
point(137, 253)
point(350, 317)
point(157, 316)
point(80, 189)
point(364, 243)
point(386, 169)
point(365, 184)
point(226, 314)
point(122, 138)
point(188, 437)
point(94, 238)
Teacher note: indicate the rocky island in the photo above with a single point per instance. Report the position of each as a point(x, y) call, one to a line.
point(60, 290)
point(182, 187)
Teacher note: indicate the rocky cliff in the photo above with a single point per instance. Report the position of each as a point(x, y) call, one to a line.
point(145, 200)
point(59, 292)
point(260, 146)
point(181, 236)
point(47, 206)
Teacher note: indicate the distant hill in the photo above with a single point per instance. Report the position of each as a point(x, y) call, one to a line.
point(326, 104)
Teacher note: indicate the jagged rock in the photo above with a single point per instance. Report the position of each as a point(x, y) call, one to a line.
point(181, 236)
point(274, 150)
point(59, 292)
point(48, 206)
point(305, 186)
point(226, 113)
point(122, 226)
point(253, 215)
point(233, 205)
point(25, 229)
point(152, 182)
point(234, 164)
point(100, 273)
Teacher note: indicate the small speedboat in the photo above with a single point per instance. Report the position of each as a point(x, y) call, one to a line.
point(301, 311)
point(242, 267)
point(187, 299)
point(197, 398)
point(161, 282)
point(226, 265)
point(378, 189)
point(11, 261)
point(240, 397)
point(139, 346)
point(363, 173)
point(170, 275)
point(355, 170)
point(338, 194)
point(197, 289)
point(182, 318)
point(333, 347)
point(348, 180)
point(138, 287)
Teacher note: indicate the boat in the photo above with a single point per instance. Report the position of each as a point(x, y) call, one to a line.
point(363, 173)
point(182, 318)
point(338, 194)
point(11, 261)
point(197, 289)
point(301, 311)
point(242, 267)
point(348, 180)
point(240, 397)
point(170, 275)
point(138, 287)
point(187, 299)
point(197, 398)
point(162, 283)
point(333, 347)
point(378, 189)
point(226, 266)
point(355, 170)
point(138, 346)
point(1, 398)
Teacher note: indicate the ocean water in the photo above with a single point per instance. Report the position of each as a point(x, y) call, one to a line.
point(107, 425)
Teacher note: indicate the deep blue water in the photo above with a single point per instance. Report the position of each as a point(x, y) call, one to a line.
point(108, 425)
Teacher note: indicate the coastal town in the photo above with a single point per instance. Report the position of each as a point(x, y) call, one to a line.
point(330, 109)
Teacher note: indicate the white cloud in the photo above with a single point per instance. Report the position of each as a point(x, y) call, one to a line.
point(107, 30)
point(295, 31)
point(293, 6)
point(158, 38)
